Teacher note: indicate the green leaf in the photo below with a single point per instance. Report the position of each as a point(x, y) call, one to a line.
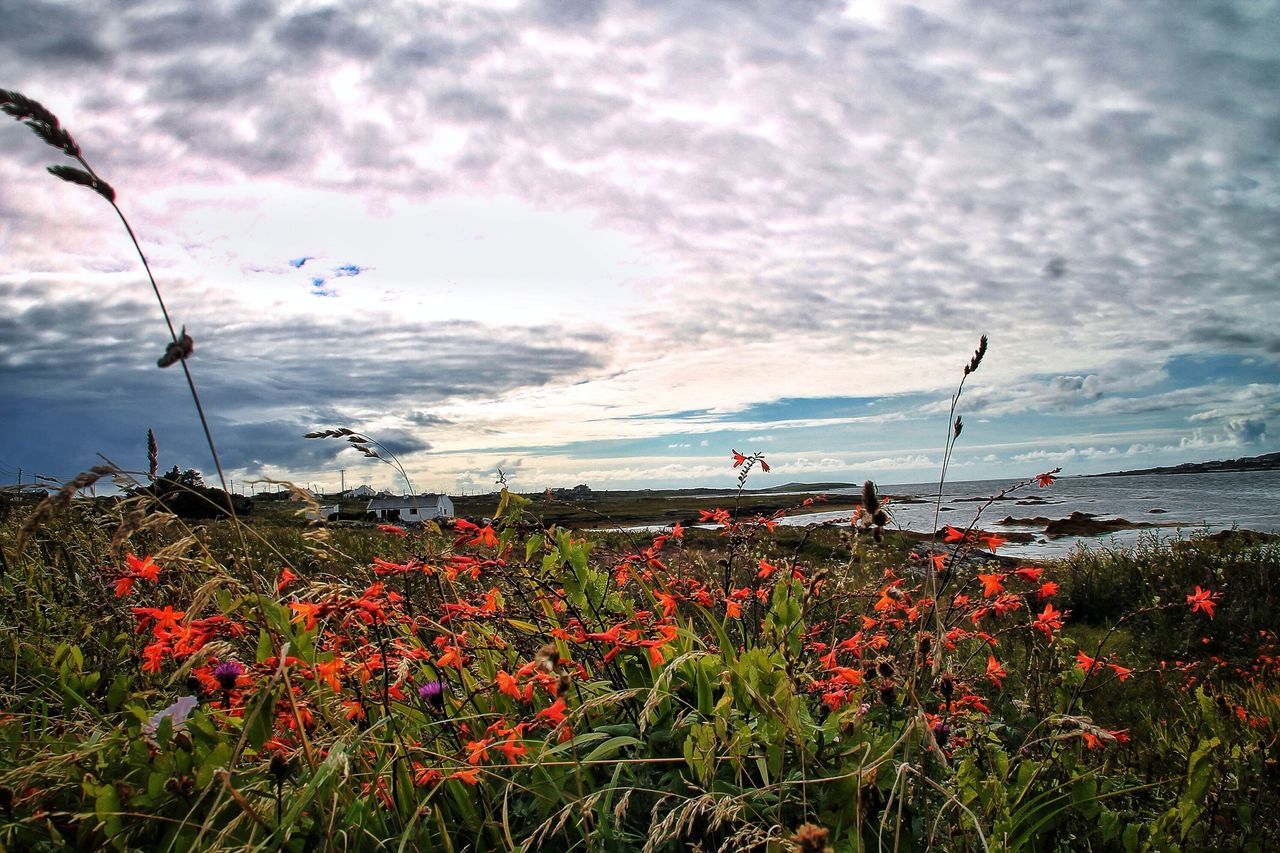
point(259, 718)
point(106, 805)
point(611, 747)
point(217, 758)
point(264, 646)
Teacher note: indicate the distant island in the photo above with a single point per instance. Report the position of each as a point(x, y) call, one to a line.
point(1265, 462)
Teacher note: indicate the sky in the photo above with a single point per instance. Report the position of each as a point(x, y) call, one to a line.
point(609, 241)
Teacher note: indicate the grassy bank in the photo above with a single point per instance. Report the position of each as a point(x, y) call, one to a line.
point(519, 687)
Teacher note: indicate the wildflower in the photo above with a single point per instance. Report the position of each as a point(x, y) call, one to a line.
point(477, 751)
point(328, 673)
point(992, 585)
point(470, 776)
point(553, 713)
point(507, 685)
point(1029, 574)
point(766, 570)
point(177, 712)
point(1085, 663)
point(1046, 479)
point(285, 577)
point(394, 530)
point(227, 673)
point(144, 568)
point(433, 694)
point(738, 459)
point(1202, 599)
point(993, 541)
point(514, 749)
point(425, 777)
point(1122, 672)
point(995, 670)
point(1049, 621)
point(1047, 589)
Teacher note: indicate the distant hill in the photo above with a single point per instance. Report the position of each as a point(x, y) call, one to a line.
point(1265, 462)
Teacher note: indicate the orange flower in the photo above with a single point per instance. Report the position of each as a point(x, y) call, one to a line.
point(992, 585)
point(995, 670)
point(553, 713)
point(1047, 590)
point(143, 568)
point(514, 749)
point(1122, 672)
point(285, 577)
point(328, 673)
point(1045, 479)
point(1085, 663)
point(477, 751)
point(993, 541)
point(471, 776)
point(1202, 599)
point(766, 570)
point(1049, 621)
point(425, 776)
point(508, 685)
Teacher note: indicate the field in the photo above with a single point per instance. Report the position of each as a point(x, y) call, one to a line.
point(519, 686)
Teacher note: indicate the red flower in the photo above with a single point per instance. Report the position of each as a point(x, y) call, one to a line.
point(1202, 599)
point(992, 585)
point(1085, 663)
point(995, 670)
point(143, 568)
point(1045, 479)
point(1049, 621)
point(393, 530)
point(738, 459)
point(553, 713)
point(470, 776)
point(993, 541)
point(285, 577)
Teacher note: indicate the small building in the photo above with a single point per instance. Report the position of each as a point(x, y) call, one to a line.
point(411, 509)
point(359, 492)
point(324, 513)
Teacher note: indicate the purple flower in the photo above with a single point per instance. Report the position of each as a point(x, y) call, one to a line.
point(227, 672)
point(432, 693)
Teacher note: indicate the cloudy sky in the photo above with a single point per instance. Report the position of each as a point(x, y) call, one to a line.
point(606, 241)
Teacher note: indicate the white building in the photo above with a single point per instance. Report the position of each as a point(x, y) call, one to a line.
point(324, 513)
point(411, 508)
point(359, 492)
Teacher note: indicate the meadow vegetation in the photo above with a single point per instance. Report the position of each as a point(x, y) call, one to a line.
point(242, 683)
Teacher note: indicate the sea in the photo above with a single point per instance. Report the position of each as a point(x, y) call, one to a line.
point(1169, 506)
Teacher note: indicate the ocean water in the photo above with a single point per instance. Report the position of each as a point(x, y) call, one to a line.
point(1172, 505)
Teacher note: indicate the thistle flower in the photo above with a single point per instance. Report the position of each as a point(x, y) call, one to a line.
point(227, 672)
point(433, 694)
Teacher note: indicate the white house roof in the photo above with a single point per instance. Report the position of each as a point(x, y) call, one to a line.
point(406, 501)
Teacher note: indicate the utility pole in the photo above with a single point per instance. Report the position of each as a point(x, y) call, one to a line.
point(343, 473)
